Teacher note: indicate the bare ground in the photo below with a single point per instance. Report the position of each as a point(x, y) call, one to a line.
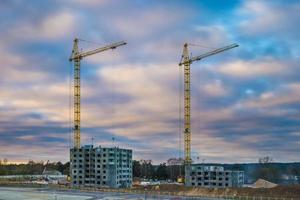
point(291, 191)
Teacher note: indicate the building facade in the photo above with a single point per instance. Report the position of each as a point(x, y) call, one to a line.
point(101, 167)
point(212, 176)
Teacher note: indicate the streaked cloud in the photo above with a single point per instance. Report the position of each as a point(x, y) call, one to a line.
point(265, 17)
point(215, 89)
point(253, 68)
point(244, 102)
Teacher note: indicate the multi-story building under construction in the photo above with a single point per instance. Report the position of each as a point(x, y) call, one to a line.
point(213, 177)
point(101, 167)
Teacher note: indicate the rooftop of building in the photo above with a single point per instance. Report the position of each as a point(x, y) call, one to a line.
point(87, 147)
point(214, 168)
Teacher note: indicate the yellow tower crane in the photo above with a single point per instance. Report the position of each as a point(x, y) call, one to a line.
point(76, 56)
point(186, 61)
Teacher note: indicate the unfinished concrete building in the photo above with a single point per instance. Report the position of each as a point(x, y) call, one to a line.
point(213, 177)
point(101, 167)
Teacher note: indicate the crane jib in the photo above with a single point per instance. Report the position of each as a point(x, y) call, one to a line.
point(210, 53)
point(101, 49)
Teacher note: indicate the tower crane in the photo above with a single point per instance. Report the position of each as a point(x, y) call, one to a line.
point(76, 57)
point(186, 61)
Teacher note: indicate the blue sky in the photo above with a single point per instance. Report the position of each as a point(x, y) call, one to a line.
point(245, 102)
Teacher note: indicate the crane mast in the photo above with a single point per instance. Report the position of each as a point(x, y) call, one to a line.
point(187, 106)
point(186, 62)
point(76, 56)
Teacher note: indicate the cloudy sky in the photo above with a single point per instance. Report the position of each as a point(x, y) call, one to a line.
point(245, 102)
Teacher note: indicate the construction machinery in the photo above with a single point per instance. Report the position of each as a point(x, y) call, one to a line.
point(76, 56)
point(186, 61)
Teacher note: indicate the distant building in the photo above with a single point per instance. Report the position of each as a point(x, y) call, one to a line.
point(287, 179)
point(175, 161)
point(101, 167)
point(212, 176)
point(52, 172)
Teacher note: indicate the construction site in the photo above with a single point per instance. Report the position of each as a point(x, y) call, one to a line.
point(112, 167)
point(96, 169)
point(100, 167)
point(149, 100)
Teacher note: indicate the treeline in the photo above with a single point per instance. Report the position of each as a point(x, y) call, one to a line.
point(266, 168)
point(281, 173)
point(32, 168)
point(277, 172)
point(274, 172)
point(141, 169)
point(145, 169)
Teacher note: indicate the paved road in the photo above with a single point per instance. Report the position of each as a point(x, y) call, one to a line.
point(7, 193)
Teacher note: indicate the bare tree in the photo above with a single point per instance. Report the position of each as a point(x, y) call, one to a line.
point(266, 170)
point(265, 160)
